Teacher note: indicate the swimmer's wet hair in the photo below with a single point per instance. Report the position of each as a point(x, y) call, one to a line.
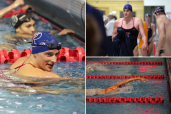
point(18, 20)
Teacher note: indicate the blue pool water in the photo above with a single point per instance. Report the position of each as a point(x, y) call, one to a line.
point(151, 88)
point(25, 103)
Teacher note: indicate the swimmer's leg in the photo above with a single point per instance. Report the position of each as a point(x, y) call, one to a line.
point(150, 48)
point(143, 52)
point(135, 51)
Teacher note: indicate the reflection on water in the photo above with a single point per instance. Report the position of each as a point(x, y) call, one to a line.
point(35, 96)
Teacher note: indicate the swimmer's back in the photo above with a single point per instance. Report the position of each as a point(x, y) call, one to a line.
point(167, 45)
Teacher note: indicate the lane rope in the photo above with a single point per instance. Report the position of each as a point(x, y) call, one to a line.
point(125, 100)
point(130, 63)
point(159, 76)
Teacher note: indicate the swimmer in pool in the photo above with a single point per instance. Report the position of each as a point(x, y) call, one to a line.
point(24, 26)
point(96, 67)
point(45, 49)
point(112, 88)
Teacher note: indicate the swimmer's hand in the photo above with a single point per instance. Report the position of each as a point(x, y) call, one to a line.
point(144, 47)
point(157, 53)
point(28, 7)
point(143, 79)
point(66, 31)
point(150, 40)
point(18, 3)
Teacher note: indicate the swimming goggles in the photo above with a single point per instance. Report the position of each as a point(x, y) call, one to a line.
point(50, 46)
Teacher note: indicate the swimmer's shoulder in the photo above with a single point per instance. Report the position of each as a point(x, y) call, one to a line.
point(118, 22)
point(36, 72)
point(18, 62)
point(136, 19)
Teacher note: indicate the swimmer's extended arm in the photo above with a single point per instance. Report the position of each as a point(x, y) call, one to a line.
point(162, 34)
point(141, 29)
point(11, 7)
point(114, 87)
point(66, 31)
point(153, 27)
point(114, 30)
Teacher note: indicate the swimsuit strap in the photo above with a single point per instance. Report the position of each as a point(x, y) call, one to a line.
point(122, 22)
point(23, 65)
point(133, 22)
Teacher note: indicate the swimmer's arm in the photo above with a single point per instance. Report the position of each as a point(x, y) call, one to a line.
point(17, 35)
point(11, 7)
point(58, 91)
point(114, 87)
point(107, 26)
point(162, 32)
point(115, 29)
point(129, 80)
point(66, 31)
point(141, 29)
point(154, 31)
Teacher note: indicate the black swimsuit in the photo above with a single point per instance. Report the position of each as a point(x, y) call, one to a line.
point(149, 34)
point(132, 34)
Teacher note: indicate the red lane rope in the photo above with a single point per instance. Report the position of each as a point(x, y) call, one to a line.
point(124, 76)
point(125, 100)
point(130, 63)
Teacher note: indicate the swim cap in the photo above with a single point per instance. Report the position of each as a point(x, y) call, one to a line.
point(19, 19)
point(43, 41)
point(128, 6)
point(147, 15)
point(158, 9)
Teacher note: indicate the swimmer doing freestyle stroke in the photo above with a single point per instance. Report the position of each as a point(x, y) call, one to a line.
point(112, 88)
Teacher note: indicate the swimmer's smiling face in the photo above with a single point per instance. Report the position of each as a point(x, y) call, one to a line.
point(26, 27)
point(47, 59)
point(127, 12)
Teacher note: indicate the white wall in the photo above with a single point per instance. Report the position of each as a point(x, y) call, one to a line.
point(166, 3)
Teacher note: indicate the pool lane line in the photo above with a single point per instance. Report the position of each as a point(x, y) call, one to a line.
point(159, 76)
point(130, 63)
point(125, 100)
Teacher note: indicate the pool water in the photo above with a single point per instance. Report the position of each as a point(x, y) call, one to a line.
point(137, 88)
point(26, 103)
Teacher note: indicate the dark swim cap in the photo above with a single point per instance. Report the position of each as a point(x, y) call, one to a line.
point(128, 6)
point(158, 9)
point(147, 15)
point(42, 41)
point(19, 19)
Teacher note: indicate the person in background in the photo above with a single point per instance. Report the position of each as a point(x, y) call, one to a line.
point(109, 29)
point(151, 33)
point(105, 19)
point(103, 42)
point(164, 27)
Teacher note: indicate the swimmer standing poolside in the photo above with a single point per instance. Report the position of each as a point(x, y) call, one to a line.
point(164, 27)
point(45, 49)
point(151, 33)
point(112, 88)
point(132, 26)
